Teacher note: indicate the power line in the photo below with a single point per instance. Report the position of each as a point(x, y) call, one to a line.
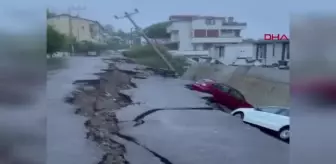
point(138, 29)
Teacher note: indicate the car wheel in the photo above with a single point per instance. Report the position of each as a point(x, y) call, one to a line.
point(239, 115)
point(284, 133)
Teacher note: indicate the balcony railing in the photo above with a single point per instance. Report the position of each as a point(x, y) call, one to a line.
point(217, 40)
point(234, 24)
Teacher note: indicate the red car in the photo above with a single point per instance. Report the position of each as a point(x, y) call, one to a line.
point(202, 85)
point(316, 91)
point(228, 96)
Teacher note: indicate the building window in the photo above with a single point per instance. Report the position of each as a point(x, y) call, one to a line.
point(227, 32)
point(236, 33)
point(261, 51)
point(210, 21)
point(212, 33)
point(221, 51)
point(200, 33)
point(195, 47)
point(224, 22)
point(283, 51)
point(92, 31)
point(273, 49)
point(207, 46)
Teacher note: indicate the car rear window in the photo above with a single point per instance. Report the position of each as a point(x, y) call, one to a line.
point(236, 94)
point(222, 87)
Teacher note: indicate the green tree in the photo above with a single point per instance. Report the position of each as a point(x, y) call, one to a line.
point(158, 30)
point(55, 40)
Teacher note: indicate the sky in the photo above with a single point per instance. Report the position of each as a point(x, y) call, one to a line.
point(262, 16)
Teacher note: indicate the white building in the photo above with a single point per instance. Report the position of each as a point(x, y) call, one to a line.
point(81, 29)
point(200, 33)
point(268, 53)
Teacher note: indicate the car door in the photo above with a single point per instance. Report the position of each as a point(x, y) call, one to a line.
point(266, 117)
point(221, 95)
point(260, 116)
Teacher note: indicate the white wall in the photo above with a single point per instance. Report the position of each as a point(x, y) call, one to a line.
point(233, 51)
point(184, 35)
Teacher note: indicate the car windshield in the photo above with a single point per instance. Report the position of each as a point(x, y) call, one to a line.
point(275, 110)
point(270, 109)
point(284, 112)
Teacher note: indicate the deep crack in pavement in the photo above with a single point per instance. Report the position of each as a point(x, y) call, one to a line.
point(132, 139)
point(139, 119)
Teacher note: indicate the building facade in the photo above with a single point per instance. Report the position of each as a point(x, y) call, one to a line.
point(80, 28)
point(266, 53)
point(200, 33)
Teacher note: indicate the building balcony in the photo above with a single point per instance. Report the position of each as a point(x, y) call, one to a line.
point(234, 26)
point(217, 40)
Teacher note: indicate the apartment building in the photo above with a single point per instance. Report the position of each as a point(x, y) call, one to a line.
point(82, 29)
point(200, 33)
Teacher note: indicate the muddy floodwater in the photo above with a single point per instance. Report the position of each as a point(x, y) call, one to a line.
point(66, 141)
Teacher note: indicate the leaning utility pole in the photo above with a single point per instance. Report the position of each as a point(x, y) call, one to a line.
point(138, 29)
point(131, 37)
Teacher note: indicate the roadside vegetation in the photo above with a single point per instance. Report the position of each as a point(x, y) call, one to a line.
point(55, 42)
point(157, 30)
point(146, 55)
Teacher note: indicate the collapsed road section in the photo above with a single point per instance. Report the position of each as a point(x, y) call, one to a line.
point(99, 98)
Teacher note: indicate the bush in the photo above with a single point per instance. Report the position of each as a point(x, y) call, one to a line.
point(146, 55)
point(55, 40)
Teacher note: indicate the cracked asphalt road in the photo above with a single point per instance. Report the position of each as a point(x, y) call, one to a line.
point(66, 141)
point(179, 136)
point(192, 136)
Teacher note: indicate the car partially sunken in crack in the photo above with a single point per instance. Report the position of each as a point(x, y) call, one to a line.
point(271, 118)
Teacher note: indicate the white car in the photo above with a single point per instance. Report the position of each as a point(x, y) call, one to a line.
point(273, 118)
